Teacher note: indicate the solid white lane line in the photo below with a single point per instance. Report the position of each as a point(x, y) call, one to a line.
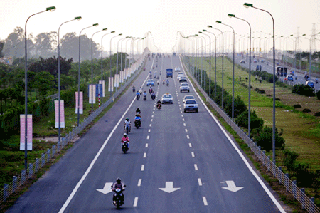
point(144, 154)
point(65, 205)
point(184, 124)
point(142, 168)
point(149, 130)
point(135, 202)
point(199, 182)
point(188, 136)
point(274, 200)
point(139, 182)
point(205, 201)
point(146, 144)
point(190, 145)
point(196, 167)
point(192, 154)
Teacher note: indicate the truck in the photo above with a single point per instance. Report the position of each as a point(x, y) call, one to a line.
point(169, 73)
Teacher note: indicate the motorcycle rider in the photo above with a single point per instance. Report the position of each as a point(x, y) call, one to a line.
point(138, 111)
point(153, 96)
point(138, 94)
point(127, 122)
point(138, 118)
point(158, 103)
point(167, 82)
point(121, 185)
point(145, 94)
point(125, 138)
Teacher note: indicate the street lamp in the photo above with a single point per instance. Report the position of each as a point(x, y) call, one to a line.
point(26, 84)
point(110, 73)
point(101, 51)
point(76, 18)
point(202, 82)
point(103, 29)
point(215, 62)
point(78, 109)
point(249, 88)
point(210, 60)
point(234, 40)
point(274, 83)
point(221, 64)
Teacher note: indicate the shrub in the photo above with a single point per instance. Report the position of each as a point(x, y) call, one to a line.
point(318, 94)
point(306, 110)
point(255, 121)
point(297, 106)
point(303, 90)
point(317, 114)
point(264, 139)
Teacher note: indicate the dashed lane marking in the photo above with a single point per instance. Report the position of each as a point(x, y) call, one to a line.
point(146, 144)
point(188, 136)
point(142, 168)
point(135, 202)
point(148, 137)
point(199, 182)
point(184, 124)
point(186, 130)
point(144, 154)
point(149, 130)
point(196, 167)
point(192, 154)
point(190, 145)
point(205, 201)
point(139, 183)
point(149, 125)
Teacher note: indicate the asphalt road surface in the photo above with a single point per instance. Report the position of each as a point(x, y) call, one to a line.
point(177, 162)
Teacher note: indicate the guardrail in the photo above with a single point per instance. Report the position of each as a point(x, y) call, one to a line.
point(291, 186)
point(33, 168)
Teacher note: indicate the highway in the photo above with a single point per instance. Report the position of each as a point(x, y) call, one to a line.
point(177, 162)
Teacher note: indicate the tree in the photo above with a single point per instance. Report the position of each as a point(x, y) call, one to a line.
point(14, 43)
point(51, 65)
point(44, 44)
point(43, 82)
point(1, 48)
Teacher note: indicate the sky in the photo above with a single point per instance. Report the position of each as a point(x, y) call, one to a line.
point(164, 18)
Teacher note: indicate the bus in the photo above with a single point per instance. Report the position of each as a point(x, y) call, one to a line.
point(282, 71)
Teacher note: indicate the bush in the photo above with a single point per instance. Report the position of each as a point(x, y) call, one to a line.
point(303, 90)
point(318, 94)
point(297, 106)
point(317, 114)
point(306, 110)
point(264, 139)
point(255, 123)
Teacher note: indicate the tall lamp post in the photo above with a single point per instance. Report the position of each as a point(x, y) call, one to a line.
point(101, 50)
point(249, 88)
point(274, 84)
point(215, 61)
point(210, 60)
point(110, 73)
point(76, 18)
point(26, 85)
point(233, 58)
point(78, 109)
point(221, 64)
point(103, 29)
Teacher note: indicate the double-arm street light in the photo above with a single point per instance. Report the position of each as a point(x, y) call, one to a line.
point(249, 88)
point(233, 58)
point(110, 73)
point(76, 18)
point(26, 84)
point(274, 83)
point(78, 109)
point(101, 50)
point(103, 29)
point(209, 76)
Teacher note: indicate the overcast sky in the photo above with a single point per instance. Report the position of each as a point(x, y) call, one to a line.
point(162, 17)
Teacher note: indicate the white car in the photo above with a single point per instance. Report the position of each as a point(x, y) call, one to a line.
point(180, 74)
point(167, 98)
point(190, 105)
point(184, 87)
point(177, 69)
point(187, 97)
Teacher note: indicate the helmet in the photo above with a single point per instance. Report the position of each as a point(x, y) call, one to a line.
point(118, 180)
point(127, 119)
point(125, 134)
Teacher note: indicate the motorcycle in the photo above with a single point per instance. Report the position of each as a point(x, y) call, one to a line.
point(138, 97)
point(118, 197)
point(145, 97)
point(153, 96)
point(128, 129)
point(159, 106)
point(167, 84)
point(133, 89)
point(137, 123)
point(125, 147)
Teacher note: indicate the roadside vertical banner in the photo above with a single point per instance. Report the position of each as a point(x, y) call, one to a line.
point(92, 94)
point(80, 108)
point(98, 90)
point(56, 113)
point(103, 83)
point(121, 77)
point(110, 86)
point(23, 132)
point(117, 77)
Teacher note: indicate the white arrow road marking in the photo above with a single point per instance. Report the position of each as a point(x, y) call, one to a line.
point(106, 189)
point(139, 182)
point(169, 187)
point(205, 201)
point(199, 182)
point(135, 202)
point(232, 186)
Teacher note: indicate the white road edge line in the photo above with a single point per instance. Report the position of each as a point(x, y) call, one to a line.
point(274, 200)
point(135, 202)
point(139, 183)
point(199, 182)
point(65, 205)
point(204, 201)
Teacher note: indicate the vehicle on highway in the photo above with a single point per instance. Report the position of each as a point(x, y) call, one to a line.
point(169, 73)
point(282, 71)
point(167, 98)
point(187, 97)
point(150, 82)
point(179, 75)
point(310, 83)
point(158, 104)
point(184, 87)
point(125, 143)
point(118, 198)
point(177, 69)
point(290, 78)
point(137, 121)
point(182, 79)
point(262, 60)
point(242, 62)
point(190, 105)
point(255, 61)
